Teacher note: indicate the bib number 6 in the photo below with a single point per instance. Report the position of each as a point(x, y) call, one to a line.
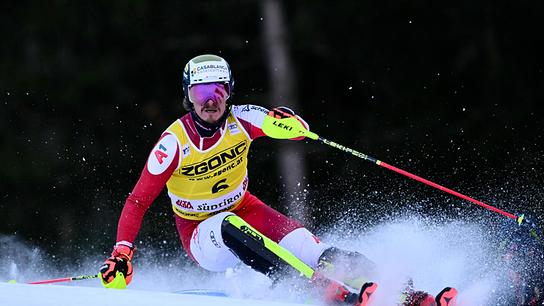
point(220, 185)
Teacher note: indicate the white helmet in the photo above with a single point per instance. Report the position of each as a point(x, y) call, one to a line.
point(207, 68)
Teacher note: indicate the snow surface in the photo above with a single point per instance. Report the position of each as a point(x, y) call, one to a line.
point(434, 253)
point(53, 295)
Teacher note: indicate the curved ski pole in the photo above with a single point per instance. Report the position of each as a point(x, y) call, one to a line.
point(64, 279)
point(288, 128)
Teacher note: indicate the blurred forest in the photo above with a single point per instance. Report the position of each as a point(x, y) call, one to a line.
point(450, 91)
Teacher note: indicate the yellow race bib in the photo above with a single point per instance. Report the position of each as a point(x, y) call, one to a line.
point(210, 181)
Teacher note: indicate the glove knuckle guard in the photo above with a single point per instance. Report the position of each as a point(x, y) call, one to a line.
point(107, 271)
point(281, 112)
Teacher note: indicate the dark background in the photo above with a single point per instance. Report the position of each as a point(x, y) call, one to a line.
point(450, 91)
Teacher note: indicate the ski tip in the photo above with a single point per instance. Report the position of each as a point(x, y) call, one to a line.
point(369, 287)
point(446, 297)
point(366, 293)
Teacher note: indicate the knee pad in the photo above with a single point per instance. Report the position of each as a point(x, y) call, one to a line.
point(208, 247)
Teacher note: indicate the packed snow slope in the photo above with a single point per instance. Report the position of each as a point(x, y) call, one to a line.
point(52, 295)
point(433, 253)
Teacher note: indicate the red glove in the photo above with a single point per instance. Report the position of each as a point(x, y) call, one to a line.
point(120, 261)
point(281, 112)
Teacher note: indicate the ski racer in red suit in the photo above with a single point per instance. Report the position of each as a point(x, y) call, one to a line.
point(202, 159)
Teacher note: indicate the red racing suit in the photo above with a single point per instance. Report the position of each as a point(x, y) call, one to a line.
point(169, 163)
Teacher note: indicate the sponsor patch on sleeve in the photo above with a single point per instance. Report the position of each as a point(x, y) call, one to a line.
point(162, 155)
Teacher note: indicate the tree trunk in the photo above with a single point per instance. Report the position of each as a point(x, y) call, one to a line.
point(282, 83)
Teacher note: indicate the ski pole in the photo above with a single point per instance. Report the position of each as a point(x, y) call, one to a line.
point(290, 127)
point(64, 279)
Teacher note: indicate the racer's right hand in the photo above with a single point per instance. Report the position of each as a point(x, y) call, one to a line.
point(116, 272)
point(281, 112)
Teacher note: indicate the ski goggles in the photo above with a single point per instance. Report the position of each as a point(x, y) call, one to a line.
point(202, 93)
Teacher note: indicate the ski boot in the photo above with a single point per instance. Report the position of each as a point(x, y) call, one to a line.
point(341, 264)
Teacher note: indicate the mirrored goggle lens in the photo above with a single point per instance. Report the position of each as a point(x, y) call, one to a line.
point(202, 93)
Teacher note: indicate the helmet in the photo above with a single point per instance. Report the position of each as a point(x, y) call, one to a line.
point(206, 68)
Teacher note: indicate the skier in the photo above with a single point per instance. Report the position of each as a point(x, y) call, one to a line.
point(202, 159)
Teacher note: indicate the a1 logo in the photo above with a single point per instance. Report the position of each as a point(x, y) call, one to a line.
point(162, 155)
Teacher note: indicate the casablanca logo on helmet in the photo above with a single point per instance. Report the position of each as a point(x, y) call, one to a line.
point(206, 72)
